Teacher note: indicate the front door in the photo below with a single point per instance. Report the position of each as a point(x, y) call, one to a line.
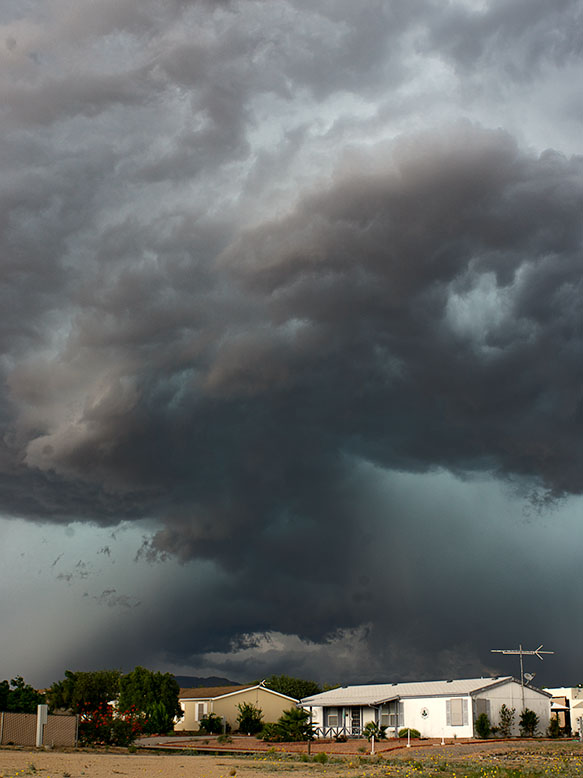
point(355, 721)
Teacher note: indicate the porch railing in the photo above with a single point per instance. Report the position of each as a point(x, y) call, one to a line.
point(332, 732)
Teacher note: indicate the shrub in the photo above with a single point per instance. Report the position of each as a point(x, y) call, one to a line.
point(249, 718)
point(158, 720)
point(372, 729)
point(322, 757)
point(506, 721)
point(211, 724)
point(105, 726)
point(224, 739)
point(292, 726)
point(482, 726)
point(414, 732)
point(271, 733)
point(554, 728)
point(528, 723)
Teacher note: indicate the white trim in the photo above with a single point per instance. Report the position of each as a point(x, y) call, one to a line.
point(239, 691)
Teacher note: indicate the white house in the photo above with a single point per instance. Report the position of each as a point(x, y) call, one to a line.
point(435, 708)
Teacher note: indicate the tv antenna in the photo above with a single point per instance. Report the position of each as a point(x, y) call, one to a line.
point(520, 651)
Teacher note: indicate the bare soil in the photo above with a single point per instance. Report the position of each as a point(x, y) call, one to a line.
point(559, 758)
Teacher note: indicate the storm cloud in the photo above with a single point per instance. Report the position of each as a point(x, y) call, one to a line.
point(265, 267)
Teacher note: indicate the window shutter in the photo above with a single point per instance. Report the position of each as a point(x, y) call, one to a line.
point(448, 713)
point(464, 712)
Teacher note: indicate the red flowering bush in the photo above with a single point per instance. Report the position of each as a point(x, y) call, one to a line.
point(106, 726)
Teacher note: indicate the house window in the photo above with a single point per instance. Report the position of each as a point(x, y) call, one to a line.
point(331, 717)
point(456, 712)
point(390, 714)
point(200, 710)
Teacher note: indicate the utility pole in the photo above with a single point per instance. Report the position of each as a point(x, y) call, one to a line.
point(522, 652)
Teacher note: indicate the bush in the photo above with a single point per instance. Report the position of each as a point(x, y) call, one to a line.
point(211, 724)
point(103, 726)
point(292, 726)
point(482, 726)
point(271, 734)
point(250, 718)
point(554, 728)
point(414, 733)
point(158, 720)
point(122, 733)
point(322, 757)
point(372, 729)
point(528, 723)
point(506, 721)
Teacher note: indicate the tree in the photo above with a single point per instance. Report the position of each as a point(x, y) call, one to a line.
point(4, 689)
point(249, 718)
point(483, 727)
point(19, 697)
point(155, 695)
point(528, 723)
point(83, 691)
point(506, 721)
point(292, 687)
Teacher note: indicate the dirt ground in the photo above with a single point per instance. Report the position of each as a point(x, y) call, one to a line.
point(562, 758)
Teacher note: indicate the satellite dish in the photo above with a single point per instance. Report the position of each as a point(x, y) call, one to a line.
point(529, 676)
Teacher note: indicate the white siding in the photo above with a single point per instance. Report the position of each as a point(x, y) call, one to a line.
point(429, 716)
point(510, 694)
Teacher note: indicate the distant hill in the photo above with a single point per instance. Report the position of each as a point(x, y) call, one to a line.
point(193, 681)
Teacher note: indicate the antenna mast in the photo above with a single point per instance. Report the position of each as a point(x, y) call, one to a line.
point(522, 652)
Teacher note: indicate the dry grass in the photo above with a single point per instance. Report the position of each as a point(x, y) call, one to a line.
point(532, 759)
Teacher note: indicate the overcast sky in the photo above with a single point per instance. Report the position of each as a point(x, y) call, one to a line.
point(292, 337)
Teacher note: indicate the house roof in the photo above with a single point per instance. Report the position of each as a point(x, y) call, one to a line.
point(214, 692)
point(211, 692)
point(375, 694)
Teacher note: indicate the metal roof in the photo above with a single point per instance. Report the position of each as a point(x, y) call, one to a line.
point(374, 694)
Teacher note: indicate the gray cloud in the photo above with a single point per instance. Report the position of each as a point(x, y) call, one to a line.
point(256, 259)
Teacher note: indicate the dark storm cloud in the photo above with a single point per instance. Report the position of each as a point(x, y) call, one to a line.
point(358, 328)
point(223, 300)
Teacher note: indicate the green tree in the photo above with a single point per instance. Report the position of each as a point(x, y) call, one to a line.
point(293, 687)
point(19, 697)
point(506, 720)
point(145, 691)
point(4, 689)
point(482, 725)
point(249, 718)
point(82, 691)
point(528, 722)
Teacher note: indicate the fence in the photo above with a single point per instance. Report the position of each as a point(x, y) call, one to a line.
point(37, 729)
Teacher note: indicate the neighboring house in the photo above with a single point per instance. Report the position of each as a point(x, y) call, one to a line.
point(567, 705)
point(435, 708)
point(223, 701)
